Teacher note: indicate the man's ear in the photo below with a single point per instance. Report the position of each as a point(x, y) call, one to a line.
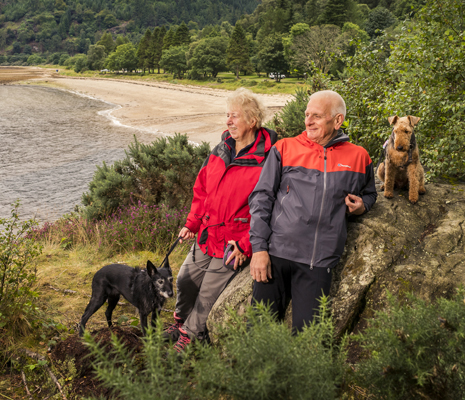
point(338, 121)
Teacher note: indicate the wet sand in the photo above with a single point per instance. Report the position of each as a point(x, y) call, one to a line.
point(151, 106)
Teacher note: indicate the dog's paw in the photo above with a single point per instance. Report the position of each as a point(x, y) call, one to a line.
point(422, 191)
point(413, 201)
point(388, 195)
point(382, 187)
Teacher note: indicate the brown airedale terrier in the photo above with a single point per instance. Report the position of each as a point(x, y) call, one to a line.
point(401, 167)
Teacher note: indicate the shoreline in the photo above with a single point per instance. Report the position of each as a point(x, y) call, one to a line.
point(156, 107)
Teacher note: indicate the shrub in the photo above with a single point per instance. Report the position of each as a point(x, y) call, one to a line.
point(129, 228)
point(415, 351)
point(17, 273)
point(261, 359)
point(290, 121)
point(161, 172)
point(158, 374)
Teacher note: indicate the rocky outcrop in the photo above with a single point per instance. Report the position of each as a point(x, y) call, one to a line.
point(396, 247)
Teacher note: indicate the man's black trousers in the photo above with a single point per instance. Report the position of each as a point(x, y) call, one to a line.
point(296, 281)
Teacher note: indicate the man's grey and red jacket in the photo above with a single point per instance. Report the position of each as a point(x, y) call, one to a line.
point(298, 210)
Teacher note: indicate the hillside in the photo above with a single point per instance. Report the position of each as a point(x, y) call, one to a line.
point(28, 26)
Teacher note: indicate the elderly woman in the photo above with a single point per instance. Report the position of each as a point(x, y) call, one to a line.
point(220, 215)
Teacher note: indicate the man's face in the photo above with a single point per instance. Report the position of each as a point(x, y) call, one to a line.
point(320, 124)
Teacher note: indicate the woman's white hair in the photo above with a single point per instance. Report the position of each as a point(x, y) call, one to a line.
point(250, 105)
point(338, 105)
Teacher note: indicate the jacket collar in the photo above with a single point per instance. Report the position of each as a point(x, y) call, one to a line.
point(264, 139)
point(339, 138)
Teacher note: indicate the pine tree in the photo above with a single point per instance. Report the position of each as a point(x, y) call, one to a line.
point(107, 42)
point(143, 50)
point(238, 52)
point(182, 37)
point(157, 46)
point(335, 12)
point(169, 39)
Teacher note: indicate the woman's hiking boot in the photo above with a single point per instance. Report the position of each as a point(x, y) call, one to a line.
point(172, 332)
point(183, 341)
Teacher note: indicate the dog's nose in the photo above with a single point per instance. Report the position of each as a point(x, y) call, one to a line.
point(400, 148)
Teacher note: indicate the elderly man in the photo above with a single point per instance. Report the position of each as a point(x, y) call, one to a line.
point(308, 186)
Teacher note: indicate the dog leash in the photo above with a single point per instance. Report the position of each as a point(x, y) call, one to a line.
point(169, 252)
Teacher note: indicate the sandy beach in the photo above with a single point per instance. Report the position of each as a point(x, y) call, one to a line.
point(150, 106)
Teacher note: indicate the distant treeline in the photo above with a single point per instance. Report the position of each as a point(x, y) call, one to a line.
point(273, 33)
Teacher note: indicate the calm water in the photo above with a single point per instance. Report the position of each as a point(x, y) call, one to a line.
point(50, 143)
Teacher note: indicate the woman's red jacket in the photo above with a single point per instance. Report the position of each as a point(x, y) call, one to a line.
point(220, 208)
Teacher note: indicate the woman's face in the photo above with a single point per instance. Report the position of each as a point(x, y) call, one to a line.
point(237, 124)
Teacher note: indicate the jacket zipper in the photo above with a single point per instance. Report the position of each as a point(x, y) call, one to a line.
point(321, 212)
point(282, 200)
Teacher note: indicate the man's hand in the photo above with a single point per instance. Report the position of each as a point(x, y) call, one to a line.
point(260, 266)
point(185, 234)
point(239, 257)
point(354, 204)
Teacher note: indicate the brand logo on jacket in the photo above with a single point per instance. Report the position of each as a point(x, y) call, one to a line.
point(344, 166)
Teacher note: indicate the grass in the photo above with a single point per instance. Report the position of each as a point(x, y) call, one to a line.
point(224, 80)
point(60, 270)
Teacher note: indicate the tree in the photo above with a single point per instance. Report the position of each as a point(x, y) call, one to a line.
point(96, 57)
point(182, 36)
point(156, 46)
point(169, 39)
point(379, 19)
point(80, 63)
point(209, 56)
point(315, 48)
point(143, 50)
point(107, 41)
point(125, 58)
point(237, 51)
point(335, 12)
point(272, 57)
point(174, 60)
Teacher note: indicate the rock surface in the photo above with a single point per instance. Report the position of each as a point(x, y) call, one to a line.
point(396, 247)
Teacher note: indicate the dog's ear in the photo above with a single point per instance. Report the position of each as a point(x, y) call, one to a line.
point(151, 269)
point(167, 265)
point(413, 120)
point(393, 120)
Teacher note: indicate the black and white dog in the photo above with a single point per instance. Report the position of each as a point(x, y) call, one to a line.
point(145, 289)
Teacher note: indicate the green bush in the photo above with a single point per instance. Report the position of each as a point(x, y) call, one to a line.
point(420, 74)
point(17, 274)
point(258, 359)
point(415, 351)
point(261, 359)
point(290, 121)
point(161, 172)
point(158, 373)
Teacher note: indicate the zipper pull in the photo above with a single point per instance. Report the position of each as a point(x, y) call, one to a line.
point(287, 189)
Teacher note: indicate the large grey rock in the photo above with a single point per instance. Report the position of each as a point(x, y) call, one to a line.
point(396, 247)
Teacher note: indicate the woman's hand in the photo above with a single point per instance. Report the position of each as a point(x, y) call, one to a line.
point(185, 234)
point(239, 257)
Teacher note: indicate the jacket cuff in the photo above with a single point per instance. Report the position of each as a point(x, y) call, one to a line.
point(263, 246)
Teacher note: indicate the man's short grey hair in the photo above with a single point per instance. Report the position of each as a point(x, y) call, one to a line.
point(338, 105)
point(250, 105)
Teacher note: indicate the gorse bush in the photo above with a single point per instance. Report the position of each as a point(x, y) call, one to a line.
point(258, 359)
point(161, 172)
point(17, 275)
point(158, 373)
point(129, 228)
point(415, 351)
